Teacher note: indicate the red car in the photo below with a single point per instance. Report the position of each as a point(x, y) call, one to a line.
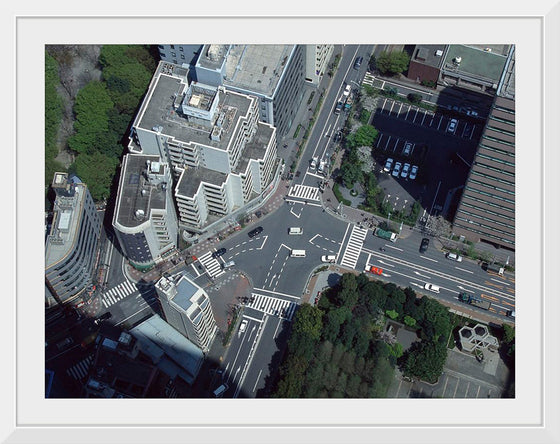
point(376, 270)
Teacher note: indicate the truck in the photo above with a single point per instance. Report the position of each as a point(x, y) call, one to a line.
point(473, 300)
point(493, 269)
point(348, 103)
point(384, 234)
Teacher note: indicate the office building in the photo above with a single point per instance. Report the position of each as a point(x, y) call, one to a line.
point(145, 220)
point(221, 156)
point(187, 308)
point(317, 58)
point(71, 247)
point(275, 74)
point(486, 211)
point(180, 54)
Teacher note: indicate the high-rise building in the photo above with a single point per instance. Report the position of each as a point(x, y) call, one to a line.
point(179, 54)
point(72, 244)
point(222, 157)
point(486, 211)
point(275, 74)
point(316, 60)
point(187, 308)
point(145, 221)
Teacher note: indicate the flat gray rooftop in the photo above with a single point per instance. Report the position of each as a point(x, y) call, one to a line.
point(160, 112)
point(185, 291)
point(256, 68)
point(190, 180)
point(131, 191)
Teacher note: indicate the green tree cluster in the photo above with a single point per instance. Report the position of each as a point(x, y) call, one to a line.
point(335, 350)
point(391, 63)
point(53, 117)
point(103, 111)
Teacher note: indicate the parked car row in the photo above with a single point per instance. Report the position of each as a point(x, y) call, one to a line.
point(401, 170)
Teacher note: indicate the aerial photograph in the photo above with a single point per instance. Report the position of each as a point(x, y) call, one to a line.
point(279, 221)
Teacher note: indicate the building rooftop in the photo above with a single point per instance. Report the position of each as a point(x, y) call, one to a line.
point(141, 189)
point(185, 292)
point(67, 210)
point(191, 177)
point(256, 68)
point(156, 334)
point(163, 112)
point(431, 55)
point(476, 62)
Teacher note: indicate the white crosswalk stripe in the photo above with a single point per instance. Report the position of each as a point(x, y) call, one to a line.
point(211, 265)
point(273, 306)
point(115, 294)
point(354, 247)
point(304, 192)
point(80, 370)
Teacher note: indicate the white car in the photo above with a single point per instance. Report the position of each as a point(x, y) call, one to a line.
point(407, 149)
point(388, 165)
point(431, 287)
point(413, 172)
point(405, 170)
point(452, 126)
point(314, 162)
point(397, 169)
point(243, 326)
point(454, 257)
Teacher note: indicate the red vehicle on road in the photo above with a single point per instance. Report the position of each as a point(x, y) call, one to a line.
point(374, 270)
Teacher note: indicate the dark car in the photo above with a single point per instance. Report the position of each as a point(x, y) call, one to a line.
point(102, 318)
point(424, 245)
point(358, 62)
point(218, 252)
point(256, 231)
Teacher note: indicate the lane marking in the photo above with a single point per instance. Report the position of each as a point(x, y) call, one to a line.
point(466, 271)
point(429, 259)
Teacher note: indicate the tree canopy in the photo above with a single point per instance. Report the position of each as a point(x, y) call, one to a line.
point(392, 63)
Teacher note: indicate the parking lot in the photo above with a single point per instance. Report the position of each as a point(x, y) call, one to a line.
point(442, 152)
point(436, 121)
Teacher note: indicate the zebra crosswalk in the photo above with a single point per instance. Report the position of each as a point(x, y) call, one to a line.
point(304, 192)
point(117, 293)
point(354, 247)
point(273, 306)
point(80, 370)
point(211, 265)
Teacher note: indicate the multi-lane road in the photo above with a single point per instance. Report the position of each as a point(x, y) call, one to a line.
point(279, 280)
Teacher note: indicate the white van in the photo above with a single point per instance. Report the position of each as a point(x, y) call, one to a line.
point(295, 230)
point(218, 393)
point(431, 287)
point(228, 264)
point(298, 253)
point(331, 258)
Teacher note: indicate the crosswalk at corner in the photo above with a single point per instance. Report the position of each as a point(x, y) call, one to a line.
point(80, 370)
point(354, 247)
point(273, 306)
point(305, 192)
point(368, 79)
point(117, 293)
point(211, 265)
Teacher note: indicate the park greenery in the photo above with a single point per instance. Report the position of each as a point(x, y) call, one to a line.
point(342, 349)
point(103, 111)
point(392, 63)
point(53, 118)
